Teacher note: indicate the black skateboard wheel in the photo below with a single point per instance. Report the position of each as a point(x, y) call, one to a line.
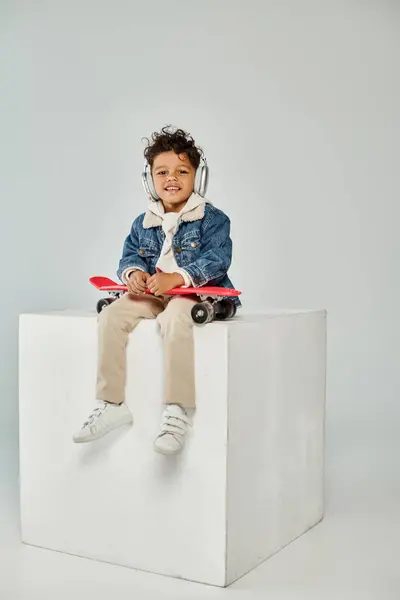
point(225, 309)
point(103, 303)
point(203, 313)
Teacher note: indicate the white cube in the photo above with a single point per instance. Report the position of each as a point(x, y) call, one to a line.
point(249, 481)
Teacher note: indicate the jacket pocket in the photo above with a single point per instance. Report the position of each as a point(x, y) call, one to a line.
point(147, 246)
point(191, 238)
point(188, 247)
point(149, 252)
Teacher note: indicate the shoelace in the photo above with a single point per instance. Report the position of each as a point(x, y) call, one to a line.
point(94, 415)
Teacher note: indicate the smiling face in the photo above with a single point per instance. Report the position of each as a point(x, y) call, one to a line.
point(173, 176)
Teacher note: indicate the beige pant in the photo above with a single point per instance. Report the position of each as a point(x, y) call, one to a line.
point(118, 320)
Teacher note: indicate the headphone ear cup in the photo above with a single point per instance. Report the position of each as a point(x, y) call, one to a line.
point(152, 189)
point(201, 180)
point(148, 184)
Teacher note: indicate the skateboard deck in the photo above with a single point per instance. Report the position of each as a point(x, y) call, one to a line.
point(108, 285)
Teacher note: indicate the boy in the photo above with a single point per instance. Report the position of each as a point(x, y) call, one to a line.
point(182, 240)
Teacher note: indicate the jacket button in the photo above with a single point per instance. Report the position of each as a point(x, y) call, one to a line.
point(179, 250)
point(193, 244)
point(197, 279)
point(141, 251)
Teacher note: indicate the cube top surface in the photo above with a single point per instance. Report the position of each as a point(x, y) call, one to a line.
point(241, 317)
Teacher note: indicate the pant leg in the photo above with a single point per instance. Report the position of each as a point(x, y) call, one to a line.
point(176, 326)
point(115, 323)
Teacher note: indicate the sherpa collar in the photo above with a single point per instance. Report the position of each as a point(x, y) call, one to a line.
point(151, 219)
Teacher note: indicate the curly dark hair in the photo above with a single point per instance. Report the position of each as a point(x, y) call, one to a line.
point(172, 139)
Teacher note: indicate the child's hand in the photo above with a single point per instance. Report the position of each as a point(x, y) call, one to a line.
point(160, 283)
point(137, 283)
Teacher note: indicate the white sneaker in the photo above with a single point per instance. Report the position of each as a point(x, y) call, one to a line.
point(102, 420)
point(171, 438)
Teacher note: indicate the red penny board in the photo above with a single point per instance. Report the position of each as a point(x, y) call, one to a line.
point(108, 285)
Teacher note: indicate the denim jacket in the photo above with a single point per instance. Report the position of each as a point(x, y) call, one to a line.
point(202, 246)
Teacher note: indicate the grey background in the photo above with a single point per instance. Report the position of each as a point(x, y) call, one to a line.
point(296, 105)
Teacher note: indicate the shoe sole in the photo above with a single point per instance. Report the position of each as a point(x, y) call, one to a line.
point(98, 436)
point(167, 452)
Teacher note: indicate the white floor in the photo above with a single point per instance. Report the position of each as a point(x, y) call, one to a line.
point(354, 553)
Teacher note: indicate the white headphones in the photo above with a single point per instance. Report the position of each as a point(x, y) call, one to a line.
point(200, 182)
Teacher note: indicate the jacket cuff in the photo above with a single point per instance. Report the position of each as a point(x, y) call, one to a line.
point(187, 278)
point(196, 275)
